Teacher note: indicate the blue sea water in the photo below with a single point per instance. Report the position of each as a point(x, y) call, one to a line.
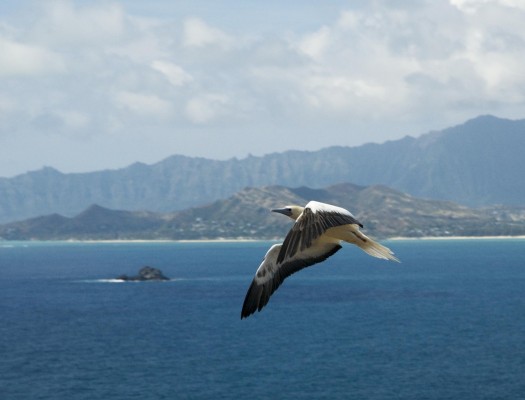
point(446, 323)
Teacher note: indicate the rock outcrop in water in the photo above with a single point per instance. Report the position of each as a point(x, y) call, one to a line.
point(146, 274)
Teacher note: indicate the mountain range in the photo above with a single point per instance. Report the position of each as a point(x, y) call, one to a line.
point(384, 212)
point(478, 163)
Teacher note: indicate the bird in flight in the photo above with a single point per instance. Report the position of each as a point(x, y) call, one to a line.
point(317, 234)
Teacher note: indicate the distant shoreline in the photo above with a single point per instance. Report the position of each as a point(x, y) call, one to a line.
point(456, 237)
point(233, 240)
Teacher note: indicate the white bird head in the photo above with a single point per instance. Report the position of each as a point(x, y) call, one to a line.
point(290, 211)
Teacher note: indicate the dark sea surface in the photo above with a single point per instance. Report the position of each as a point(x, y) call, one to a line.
point(446, 323)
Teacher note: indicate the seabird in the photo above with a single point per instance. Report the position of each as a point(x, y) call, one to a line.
point(317, 234)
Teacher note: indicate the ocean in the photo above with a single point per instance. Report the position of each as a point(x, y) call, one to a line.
point(448, 322)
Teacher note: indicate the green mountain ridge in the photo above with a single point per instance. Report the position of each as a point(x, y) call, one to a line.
point(478, 163)
point(385, 212)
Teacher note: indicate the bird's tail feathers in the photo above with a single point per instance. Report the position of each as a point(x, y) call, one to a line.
point(373, 248)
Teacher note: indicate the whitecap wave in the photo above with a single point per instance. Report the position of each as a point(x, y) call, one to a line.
point(113, 280)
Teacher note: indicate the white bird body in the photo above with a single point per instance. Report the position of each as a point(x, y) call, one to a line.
point(317, 234)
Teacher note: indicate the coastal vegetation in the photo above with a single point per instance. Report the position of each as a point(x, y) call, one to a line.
point(385, 213)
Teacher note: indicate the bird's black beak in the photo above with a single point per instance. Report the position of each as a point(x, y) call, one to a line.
point(285, 211)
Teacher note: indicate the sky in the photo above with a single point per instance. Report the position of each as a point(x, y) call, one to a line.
point(91, 85)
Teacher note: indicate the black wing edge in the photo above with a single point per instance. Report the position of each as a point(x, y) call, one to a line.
point(258, 295)
point(335, 219)
point(294, 238)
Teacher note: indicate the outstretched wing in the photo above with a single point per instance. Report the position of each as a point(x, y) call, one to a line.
point(271, 273)
point(315, 220)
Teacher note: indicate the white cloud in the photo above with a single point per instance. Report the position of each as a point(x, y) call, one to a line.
point(175, 74)
point(20, 59)
point(206, 107)
point(471, 6)
point(94, 71)
point(144, 104)
point(340, 92)
point(63, 23)
point(314, 44)
point(198, 33)
point(143, 41)
point(74, 119)
point(367, 59)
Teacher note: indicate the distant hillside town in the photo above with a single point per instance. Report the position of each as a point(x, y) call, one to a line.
point(464, 180)
point(385, 213)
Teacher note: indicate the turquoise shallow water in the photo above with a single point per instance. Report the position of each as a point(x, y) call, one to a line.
point(446, 323)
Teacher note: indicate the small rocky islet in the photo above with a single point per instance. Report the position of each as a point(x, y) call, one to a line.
point(146, 273)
